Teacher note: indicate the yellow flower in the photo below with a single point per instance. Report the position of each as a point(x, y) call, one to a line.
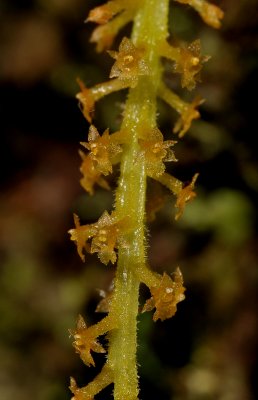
point(166, 296)
point(129, 62)
point(79, 394)
point(188, 114)
point(185, 195)
point(105, 236)
point(210, 13)
point(91, 175)
point(156, 151)
point(102, 150)
point(189, 64)
point(85, 342)
point(86, 100)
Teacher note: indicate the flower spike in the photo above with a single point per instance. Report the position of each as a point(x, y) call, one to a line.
point(142, 151)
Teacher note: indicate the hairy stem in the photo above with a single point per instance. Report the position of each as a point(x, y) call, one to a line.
point(150, 28)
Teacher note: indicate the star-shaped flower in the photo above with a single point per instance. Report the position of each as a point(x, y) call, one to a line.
point(91, 175)
point(103, 150)
point(166, 296)
point(108, 237)
point(156, 151)
point(189, 64)
point(129, 62)
point(85, 342)
point(105, 235)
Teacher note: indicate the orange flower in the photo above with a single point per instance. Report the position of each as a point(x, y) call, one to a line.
point(112, 16)
point(85, 342)
point(102, 150)
point(80, 235)
point(105, 235)
point(105, 303)
point(190, 64)
point(108, 236)
point(91, 175)
point(188, 114)
point(156, 151)
point(129, 62)
point(86, 100)
point(166, 296)
point(185, 195)
point(210, 13)
point(79, 394)
point(102, 14)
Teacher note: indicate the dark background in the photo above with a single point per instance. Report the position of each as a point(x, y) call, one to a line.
point(209, 349)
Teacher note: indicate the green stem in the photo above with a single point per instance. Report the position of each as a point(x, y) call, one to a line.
point(149, 30)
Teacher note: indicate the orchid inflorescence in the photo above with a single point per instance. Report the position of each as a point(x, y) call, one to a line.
point(139, 149)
